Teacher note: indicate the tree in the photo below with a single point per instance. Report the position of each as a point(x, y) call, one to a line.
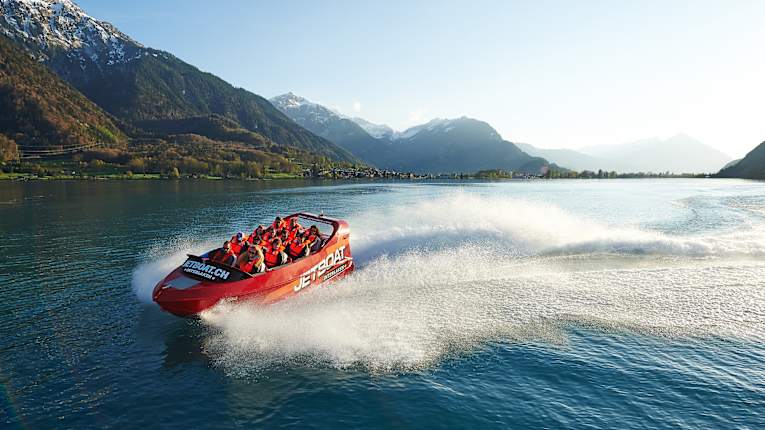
point(9, 151)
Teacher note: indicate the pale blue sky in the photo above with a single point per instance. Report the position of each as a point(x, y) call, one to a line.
point(550, 73)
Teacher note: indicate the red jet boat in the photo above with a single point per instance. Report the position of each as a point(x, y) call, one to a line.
point(199, 284)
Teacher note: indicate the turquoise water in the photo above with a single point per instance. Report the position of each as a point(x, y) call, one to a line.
point(559, 304)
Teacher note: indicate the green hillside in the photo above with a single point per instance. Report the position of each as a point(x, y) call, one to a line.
point(40, 112)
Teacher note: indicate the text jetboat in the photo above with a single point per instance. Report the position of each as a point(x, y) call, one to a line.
point(199, 284)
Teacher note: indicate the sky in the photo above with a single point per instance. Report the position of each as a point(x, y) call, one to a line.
point(556, 74)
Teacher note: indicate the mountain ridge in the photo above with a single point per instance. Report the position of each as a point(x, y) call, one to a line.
point(137, 84)
point(752, 166)
point(459, 145)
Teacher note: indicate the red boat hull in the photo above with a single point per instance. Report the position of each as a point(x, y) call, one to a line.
point(187, 295)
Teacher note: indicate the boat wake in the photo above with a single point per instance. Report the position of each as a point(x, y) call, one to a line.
point(450, 275)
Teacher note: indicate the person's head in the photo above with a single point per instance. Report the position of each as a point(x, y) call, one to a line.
point(253, 253)
point(276, 243)
point(314, 229)
point(227, 245)
point(293, 221)
point(259, 230)
point(277, 220)
point(239, 236)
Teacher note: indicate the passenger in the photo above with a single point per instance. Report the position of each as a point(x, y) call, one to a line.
point(294, 225)
point(278, 223)
point(298, 247)
point(258, 240)
point(275, 255)
point(314, 239)
point(268, 234)
point(237, 242)
point(259, 230)
point(284, 235)
point(252, 261)
point(223, 255)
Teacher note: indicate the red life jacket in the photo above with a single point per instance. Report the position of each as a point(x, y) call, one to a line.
point(292, 233)
point(272, 257)
point(247, 266)
point(236, 247)
point(221, 257)
point(297, 246)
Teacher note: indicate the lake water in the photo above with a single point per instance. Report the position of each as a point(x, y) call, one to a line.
point(589, 304)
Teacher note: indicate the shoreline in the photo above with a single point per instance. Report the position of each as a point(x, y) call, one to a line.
point(26, 177)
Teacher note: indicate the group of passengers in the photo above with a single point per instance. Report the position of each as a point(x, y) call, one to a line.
point(267, 247)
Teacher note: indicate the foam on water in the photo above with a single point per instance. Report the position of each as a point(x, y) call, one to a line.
point(161, 260)
point(449, 275)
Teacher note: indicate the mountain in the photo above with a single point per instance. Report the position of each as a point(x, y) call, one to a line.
point(751, 167)
point(378, 131)
point(40, 113)
point(678, 154)
point(330, 125)
point(458, 145)
point(578, 161)
point(139, 84)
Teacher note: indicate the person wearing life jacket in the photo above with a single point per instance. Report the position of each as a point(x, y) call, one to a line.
point(294, 225)
point(268, 234)
point(275, 255)
point(314, 239)
point(252, 261)
point(223, 255)
point(298, 247)
point(278, 223)
point(237, 242)
point(258, 232)
point(284, 235)
point(258, 240)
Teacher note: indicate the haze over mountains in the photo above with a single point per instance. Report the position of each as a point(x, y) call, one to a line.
point(678, 154)
point(380, 145)
point(459, 145)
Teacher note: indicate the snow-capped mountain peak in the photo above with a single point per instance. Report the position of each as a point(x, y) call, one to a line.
point(43, 25)
point(378, 131)
point(291, 101)
point(295, 106)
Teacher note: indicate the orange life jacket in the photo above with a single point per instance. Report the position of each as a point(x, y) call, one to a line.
point(247, 266)
point(297, 246)
point(292, 233)
point(236, 247)
point(218, 256)
point(272, 257)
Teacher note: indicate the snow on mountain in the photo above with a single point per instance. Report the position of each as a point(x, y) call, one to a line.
point(442, 125)
point(43, 26)
point(378, 131)
point(302, 110)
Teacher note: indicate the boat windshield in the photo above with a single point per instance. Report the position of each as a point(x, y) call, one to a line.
point(326, 228)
